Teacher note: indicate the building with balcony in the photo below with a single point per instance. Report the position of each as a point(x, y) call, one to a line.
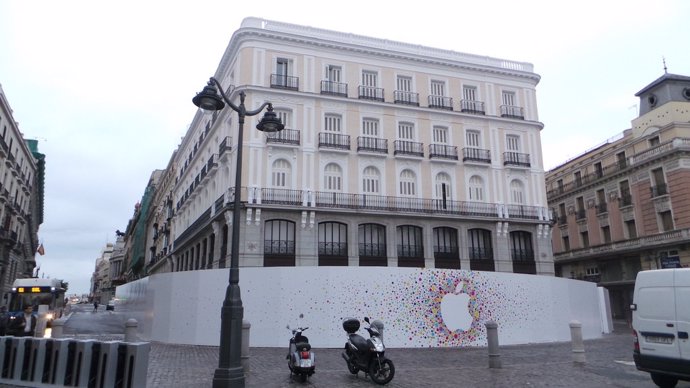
point(393, 155)
point(624, 206)
point(22, 174)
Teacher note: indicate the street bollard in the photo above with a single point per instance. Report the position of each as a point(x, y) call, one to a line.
point(58, 325)
point(492, 339)
point(578, 345)
point(245, 345)
point(131, 330)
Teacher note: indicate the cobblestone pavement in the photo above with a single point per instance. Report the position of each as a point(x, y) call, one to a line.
point(608, 364)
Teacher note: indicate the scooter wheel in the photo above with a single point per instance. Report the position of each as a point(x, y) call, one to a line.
point(352, 368)
point(382, 372)
point(303, 377)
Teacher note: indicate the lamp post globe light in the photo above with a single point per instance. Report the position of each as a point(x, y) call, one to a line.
point(230, 372)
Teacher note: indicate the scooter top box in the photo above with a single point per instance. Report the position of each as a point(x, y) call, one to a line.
point(351, 325)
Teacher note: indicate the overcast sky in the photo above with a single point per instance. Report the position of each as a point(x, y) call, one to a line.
point(106, 87)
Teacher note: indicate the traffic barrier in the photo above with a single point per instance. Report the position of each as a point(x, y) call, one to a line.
point(66, 362)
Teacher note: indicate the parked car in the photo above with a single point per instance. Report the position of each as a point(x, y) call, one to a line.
point(111, 305)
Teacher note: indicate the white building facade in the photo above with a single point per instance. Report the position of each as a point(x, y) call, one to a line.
point(393, 154)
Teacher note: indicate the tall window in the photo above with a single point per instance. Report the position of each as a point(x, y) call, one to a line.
point(370, 127)
point(517, 195)
point(476, 188)
point(370, 180)
point(473, 139)
point(631, 229)
point(440, 135)
point(285, 117)
point(513, 143)
point(407, 183)
point(442, 186)
point(405, 131)
point(282, 66)
point(279, 237)
point(332, 123)
point(479, 244)
point(372, 240)
point(410, 243)
point(521, 246)
point(280, 176)
point(333, 73)
point(370, 78)
point(333, 177)
point(508, 98)
point(665, 221)
point(445, 240)
point(332, 239)
point(438, 88)
point(404, 84)
point(469, 93)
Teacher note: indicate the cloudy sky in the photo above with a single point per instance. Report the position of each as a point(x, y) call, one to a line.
point(106, 87)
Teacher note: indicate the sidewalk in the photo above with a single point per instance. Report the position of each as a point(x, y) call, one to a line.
point(608, 364)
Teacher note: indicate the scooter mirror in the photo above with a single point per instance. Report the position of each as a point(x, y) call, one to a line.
point(366, 319)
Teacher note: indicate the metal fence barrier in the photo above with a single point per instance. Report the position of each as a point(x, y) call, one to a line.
point(68, 362)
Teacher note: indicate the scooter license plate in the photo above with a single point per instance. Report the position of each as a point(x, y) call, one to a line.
point(305, 363)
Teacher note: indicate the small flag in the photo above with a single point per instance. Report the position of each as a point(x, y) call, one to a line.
point(41, 251)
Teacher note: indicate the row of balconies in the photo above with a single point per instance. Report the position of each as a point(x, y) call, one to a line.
point(600, 172)
point(367, 202)
point(207, 169)
point(601, 208)
point(399, 97)
point(336, 141)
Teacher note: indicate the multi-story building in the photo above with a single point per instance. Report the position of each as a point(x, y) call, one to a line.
point(624, 206)
point(101, 287)
point(159, 220)
point(393, 154)
point(22, 172)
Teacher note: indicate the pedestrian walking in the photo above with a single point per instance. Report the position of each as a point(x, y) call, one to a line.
point(95, 305)
point(24, 324)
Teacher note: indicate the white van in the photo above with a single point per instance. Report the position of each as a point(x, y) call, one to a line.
point(661, 323)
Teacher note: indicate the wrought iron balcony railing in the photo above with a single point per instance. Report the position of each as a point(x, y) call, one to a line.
point(406, 98)
point(522, 255)
point(480, 253)
point(516, 159)
point(440, 102)
point(442, 151)
point(372, 144)
point(476, 155)
point(370, 93)
point(334, 140)
point(512, 112)
point(406, 147)
point(334, 88)
point(281, 81)
point(286, 136)
point(472, 106)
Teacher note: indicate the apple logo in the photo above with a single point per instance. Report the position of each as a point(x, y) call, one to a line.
point(455, 311)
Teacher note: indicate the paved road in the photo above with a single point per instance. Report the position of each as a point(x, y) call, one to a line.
point(608, 364)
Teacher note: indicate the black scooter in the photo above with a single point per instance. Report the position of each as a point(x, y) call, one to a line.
point(300, 357)
point(367, 354)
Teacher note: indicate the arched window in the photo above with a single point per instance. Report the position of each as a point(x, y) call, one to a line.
point(517, 192)
point(280, 176)
point(371, 181)
point(279, 243)
point(410, 246)
point(333, 176)
point(372, 245)
point(476, 188)
point(332, 243)
point(407, 183)
point(443, 186)
point(446, 253)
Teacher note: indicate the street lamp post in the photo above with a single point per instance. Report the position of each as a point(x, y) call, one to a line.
point(230, 372)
